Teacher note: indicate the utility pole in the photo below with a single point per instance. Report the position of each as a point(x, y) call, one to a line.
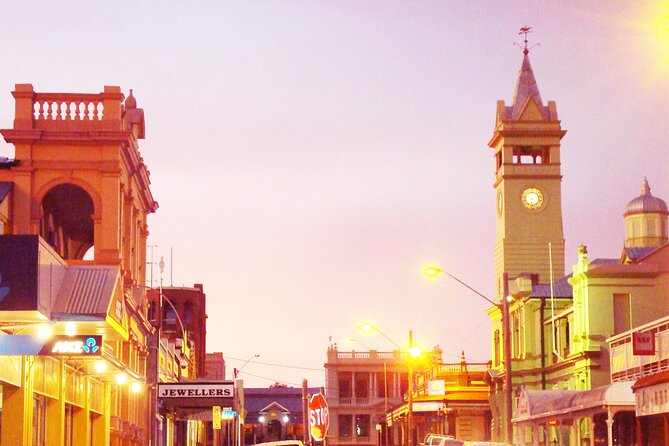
point(508, 381)
point(410, 398)
point(305, 412)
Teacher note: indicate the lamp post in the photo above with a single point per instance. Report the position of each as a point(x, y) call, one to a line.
point(432, 271)
point(413, 353)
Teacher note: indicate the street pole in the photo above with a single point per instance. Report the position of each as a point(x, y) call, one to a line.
point(508, 382)
point(385, 398)
point(410, 399)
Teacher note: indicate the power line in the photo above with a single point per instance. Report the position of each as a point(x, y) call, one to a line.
point(270, 379)
point(276, 365)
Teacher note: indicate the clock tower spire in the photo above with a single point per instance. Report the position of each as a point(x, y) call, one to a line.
point(527, 183)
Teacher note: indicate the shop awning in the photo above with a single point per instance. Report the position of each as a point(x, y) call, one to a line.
point(651, 380)
point(538, 404)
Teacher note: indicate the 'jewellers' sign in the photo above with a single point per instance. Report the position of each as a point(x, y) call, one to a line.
point(196, 390)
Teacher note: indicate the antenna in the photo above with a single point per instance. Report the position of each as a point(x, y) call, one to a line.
point(525, 30)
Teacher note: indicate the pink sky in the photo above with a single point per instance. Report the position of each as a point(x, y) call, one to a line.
point(310, 157)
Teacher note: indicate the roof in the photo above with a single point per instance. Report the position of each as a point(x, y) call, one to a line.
point(5, 187)
point(87, 290)
point(637, 253)
point(6, 163)
point(536, 404)
point(526, 88)
point(561, 289)
point(257, 399)
point(646, 203)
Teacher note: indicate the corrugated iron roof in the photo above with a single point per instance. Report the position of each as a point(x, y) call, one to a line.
point(87, 290)
point(561, 289)
point(637, 253)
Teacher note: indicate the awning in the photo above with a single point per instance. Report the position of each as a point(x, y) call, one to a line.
point(538, 404)
point(651, 380)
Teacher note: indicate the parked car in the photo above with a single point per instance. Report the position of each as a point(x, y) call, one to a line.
point(441, 440)
point(281, 443)
point(484, 443)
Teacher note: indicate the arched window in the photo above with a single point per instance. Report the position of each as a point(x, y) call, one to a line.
point(67, 220)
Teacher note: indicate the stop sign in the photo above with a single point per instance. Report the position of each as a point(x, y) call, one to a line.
point(319, 418)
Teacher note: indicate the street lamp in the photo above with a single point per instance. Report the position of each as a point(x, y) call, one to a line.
point(243, 365)
point(433, 271)
point(414, 352)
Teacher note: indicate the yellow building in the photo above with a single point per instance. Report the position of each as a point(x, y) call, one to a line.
point(558, 325)
point(73, 210)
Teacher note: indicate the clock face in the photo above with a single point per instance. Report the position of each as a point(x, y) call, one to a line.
point(532, 198)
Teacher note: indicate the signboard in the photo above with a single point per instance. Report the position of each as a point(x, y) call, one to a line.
point(216, 416)
point(228, 413)
point(196, 390)
point(319, 417)
point(427, 406)
point(643, 343)
point(59, 345)
point(436, 387)
point(652, 400)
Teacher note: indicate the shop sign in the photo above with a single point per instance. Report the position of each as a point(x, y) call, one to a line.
point(196, 390)
point(652, 400)
point(427, 406)
point(643, 344)
point(228, 413)
point(216, 416)
point(436, 387)
point(59, 345)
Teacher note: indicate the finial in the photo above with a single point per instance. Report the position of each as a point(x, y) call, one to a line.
point(525, 30)
point(645, 188)
point(130, 101)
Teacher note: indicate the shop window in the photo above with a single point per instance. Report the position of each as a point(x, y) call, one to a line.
point(362, 425)
point(39, 420)
point(344, 424)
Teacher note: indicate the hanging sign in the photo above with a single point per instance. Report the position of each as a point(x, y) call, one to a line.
point(643, 344)
point(216, 416)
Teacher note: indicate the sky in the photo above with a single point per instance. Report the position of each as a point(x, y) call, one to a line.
point(310, 157)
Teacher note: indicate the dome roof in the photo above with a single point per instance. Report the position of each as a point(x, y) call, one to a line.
point(646, 203)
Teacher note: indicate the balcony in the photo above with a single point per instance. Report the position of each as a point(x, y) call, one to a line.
point(626, 366)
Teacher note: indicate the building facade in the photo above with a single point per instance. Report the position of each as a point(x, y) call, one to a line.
point(74, 207)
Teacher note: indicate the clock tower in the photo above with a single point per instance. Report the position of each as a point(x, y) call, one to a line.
point(526, 145)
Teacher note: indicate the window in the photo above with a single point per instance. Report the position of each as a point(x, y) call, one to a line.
point(345, 390)
point(362, 385)
point(345, 422)
point(362, 425)
point(496, 347)
point(39, 420)
point(381, 390)
point(621, 313)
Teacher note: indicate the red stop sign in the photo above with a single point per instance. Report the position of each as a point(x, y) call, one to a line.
point(319, 417)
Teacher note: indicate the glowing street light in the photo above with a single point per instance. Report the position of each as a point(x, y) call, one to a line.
point(433, 272)
point(414, 352)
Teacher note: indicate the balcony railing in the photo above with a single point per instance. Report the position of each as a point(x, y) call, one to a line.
point(625, 365)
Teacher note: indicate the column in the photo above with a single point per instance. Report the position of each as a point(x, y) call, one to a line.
point(609, 427)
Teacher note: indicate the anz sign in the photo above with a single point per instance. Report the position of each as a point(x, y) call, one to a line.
point(74, 346)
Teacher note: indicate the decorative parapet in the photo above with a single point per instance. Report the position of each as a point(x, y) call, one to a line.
point(68, 111)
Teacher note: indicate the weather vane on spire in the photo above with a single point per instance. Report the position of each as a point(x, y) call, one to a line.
point(525, 30)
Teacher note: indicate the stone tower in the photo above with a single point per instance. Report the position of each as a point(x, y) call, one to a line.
point(81, 182)
point(526, 145)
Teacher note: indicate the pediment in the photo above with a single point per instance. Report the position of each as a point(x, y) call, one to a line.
point(274, 407)
point(531, 111)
